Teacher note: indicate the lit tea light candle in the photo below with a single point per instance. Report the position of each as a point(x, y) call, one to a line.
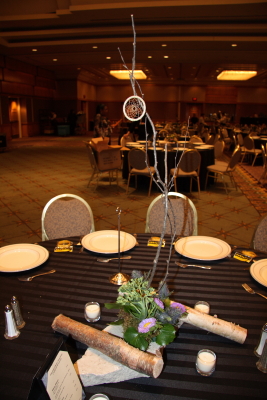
point(202, 306)
point(99, 396)
point(92, 311)
point(206, 360)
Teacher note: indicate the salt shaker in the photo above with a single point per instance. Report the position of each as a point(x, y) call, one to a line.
point(11, 331)
point(262, 362)
point(17, 313)
point(258, 349)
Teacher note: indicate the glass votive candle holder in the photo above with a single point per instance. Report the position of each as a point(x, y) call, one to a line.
point(202, 306)
point(92, 311)
point(99, 396)
point(206, 361)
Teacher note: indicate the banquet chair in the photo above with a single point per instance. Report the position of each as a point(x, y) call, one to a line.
point(259, 238)
point(188, 167)
point(182, 215)
point(264, 158)
point(249, 148)
point(66, 215)
point(97, 170)
point(195, 139)
point(224, 169)
point(139, 165)
point(218, 152)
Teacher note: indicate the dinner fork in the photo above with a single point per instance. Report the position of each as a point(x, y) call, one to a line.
point(192, 265)
point(251, 291)
point(30, 278)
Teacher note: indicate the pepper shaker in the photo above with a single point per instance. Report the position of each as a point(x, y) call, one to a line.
point(17, 313)
point(11, 331)
point(258, 349)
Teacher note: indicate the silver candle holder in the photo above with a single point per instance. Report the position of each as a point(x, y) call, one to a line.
point(119, 278)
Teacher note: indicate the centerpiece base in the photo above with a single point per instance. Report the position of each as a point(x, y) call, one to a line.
point(119, 279)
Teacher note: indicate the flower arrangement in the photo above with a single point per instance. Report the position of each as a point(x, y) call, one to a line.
point(147, 315)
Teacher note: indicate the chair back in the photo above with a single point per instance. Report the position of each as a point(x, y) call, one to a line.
point(240, 139)
point(91, 156)
point(66, 215)
point(219, 148)
point(259, 238)
point(137, 159)
point(195, 139)
point(182, 215)
point(249, 143)
point(190, 161)
point(235, 158)
point(210, 139)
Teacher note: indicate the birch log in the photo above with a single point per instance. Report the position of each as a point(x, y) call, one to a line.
point(112, 346)
point(215, 325)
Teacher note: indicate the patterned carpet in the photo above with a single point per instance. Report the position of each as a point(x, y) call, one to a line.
point(33, 170)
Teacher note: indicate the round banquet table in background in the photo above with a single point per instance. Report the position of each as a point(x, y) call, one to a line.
point(79, 278)
point(207, 158)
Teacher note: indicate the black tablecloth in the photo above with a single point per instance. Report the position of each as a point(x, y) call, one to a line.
point(207, 158)
point(80, 278)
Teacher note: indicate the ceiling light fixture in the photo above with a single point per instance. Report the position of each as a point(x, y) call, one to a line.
point(108, 58)
point(163, 45)
point(121, 74)
point(228, 75)
point(149, 56)
point(54, 59)
point(34, 49)
point(234, 45)
point(94, 47)
point(166, 56)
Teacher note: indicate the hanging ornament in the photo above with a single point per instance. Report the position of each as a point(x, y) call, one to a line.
point(134, 108)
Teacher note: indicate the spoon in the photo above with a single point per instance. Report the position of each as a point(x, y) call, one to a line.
point(105, 260)
point(30, 278)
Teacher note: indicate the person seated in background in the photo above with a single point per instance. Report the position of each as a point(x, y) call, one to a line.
point(128, 136)
point(102, 126)
point(193, 120)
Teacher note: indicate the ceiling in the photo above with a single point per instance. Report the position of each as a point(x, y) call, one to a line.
point(197, 37)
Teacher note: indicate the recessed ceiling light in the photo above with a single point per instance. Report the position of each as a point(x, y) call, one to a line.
point(169, 67)
point(94, 47)
point(124, 74)
point(108, 58)
point(234, 45)
point(149, 56)
point(34, 49)
point(54, 59)
point(236, 75)
point(166, 56)
point(163, 45)
point(78, 69)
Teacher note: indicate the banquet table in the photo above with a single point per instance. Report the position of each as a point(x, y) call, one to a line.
point(79, 278)
point(207, 158)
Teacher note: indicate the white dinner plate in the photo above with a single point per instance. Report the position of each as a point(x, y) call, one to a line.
point(205, 146)
point(22, 257)
point(157, 148)
point(179, 148)
point(106, 242)
point(142, 141)
point(258, 271)
point(202, 248)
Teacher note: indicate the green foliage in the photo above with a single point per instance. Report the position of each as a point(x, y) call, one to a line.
point(134, 338)
point(166, 335)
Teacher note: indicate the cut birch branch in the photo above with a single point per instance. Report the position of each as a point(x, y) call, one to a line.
point(112, 346)
point(215, 325)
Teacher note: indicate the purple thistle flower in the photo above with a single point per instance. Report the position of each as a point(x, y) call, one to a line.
point(178, 305)
point(159, 303)
point(146, 324)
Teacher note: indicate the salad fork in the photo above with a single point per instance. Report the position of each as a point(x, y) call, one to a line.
point(192, 265)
